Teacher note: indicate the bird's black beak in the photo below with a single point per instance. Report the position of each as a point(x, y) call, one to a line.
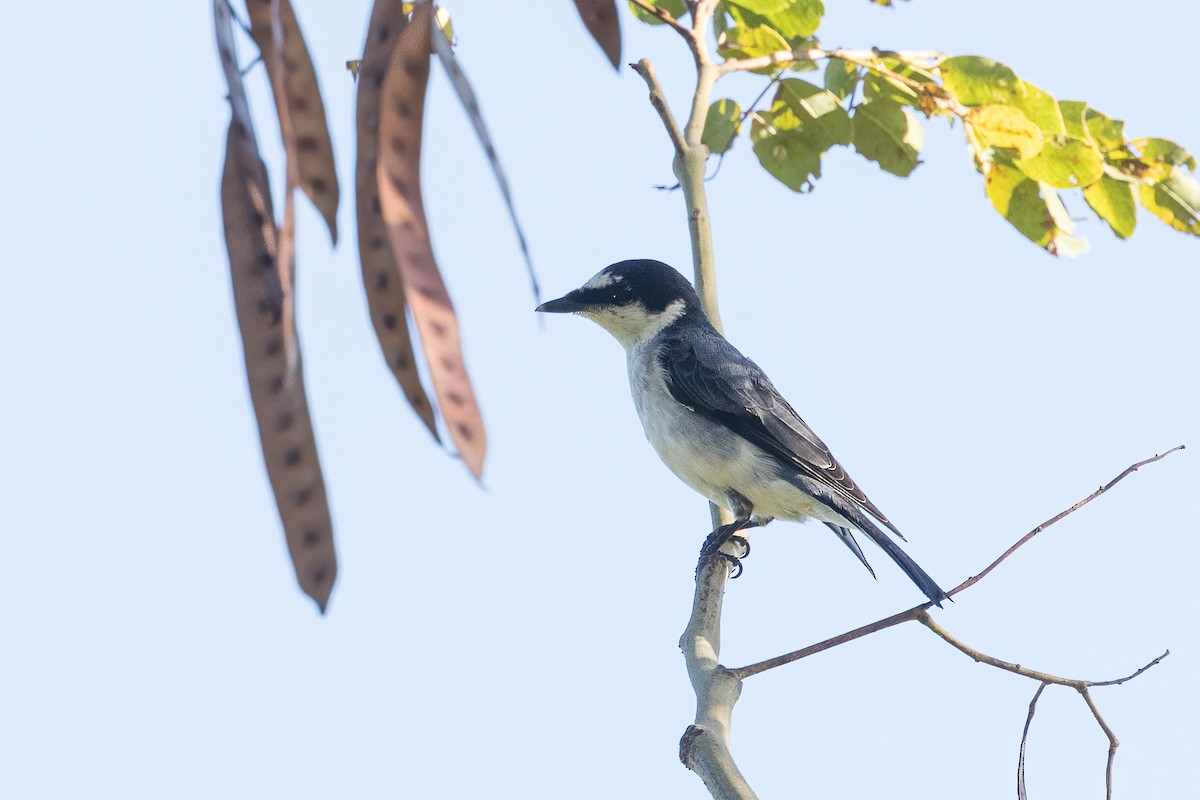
point(567, 304)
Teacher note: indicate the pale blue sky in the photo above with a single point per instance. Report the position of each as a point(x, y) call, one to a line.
point(520, 640)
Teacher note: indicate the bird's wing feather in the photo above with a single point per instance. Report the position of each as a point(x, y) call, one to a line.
point(709, 375)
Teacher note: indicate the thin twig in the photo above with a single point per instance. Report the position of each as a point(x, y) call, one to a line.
point(787, 658)
point(1119, 681)
point(1079, 685)
point(969, 582)
point(1113, 744)
point(1021, 793)
point(917, 611)
point(646, 70)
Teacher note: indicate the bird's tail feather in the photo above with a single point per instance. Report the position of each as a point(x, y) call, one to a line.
point(914, 572)
point(848, 539)
point(856, 517)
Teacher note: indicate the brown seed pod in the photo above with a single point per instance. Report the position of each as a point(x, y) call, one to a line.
point(299, 94)
point(600, 18)
point(398, 174)
point(264, 302)
point(381, 276)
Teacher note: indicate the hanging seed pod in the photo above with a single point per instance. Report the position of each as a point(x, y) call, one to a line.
point(398, 174)
point(600, 19)
point(381, 275)
point(264, 302)
point(294, 81)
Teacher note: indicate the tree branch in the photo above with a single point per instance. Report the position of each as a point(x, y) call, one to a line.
point(917, 611)
point(659, 101)
point(969, 582)
point(1021, 793)
point(1079, 685)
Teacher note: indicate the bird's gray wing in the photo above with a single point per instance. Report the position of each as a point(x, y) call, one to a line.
point(710, 376)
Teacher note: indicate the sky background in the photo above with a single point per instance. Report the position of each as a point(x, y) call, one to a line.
point(520, 639)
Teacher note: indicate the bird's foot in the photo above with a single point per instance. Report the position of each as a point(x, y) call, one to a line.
point(718, 539)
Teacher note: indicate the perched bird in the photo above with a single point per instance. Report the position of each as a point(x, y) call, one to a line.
point(716, 421)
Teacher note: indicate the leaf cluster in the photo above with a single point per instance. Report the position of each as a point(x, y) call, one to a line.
point(1029, 146)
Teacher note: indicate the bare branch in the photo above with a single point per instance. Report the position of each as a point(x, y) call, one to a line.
point(787, 658)
point(1128, 471)
point(659, 101)
point(1021, 793)
point(918, 611)
point(1119, 681)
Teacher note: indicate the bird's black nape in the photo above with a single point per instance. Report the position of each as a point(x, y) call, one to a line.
point(655, 284)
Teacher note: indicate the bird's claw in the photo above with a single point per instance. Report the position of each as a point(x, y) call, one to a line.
point(743, 543)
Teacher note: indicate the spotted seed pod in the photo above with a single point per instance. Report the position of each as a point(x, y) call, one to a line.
point(398, 174)
point(298, 94)
point(264, 302)
point(382, 280)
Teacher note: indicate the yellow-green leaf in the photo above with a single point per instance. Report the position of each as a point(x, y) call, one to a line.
point(675, 8)
point(1016, 197)
point(886, 134)
point(1034, 210)
point(742, 42)
point(840, 77)
point(977, 81)
point(1064, 163)
point(1072, 114)
point(823, 121)
point(793, 19)
point(1175, 200)
point(1113, 202)
point(1161, 156)
point(721, 126)
point(784, 154)
point(1005, 126)
point(1107, 133)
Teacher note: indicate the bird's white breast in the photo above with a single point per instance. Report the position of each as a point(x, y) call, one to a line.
point(707, 456)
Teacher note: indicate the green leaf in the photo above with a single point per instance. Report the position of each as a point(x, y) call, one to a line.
point(761, 7)
point(1034, 210)
point(675, 8)
point(793, 19)
point(1175, 200)
point(885, 134)
point(1108, 134)
point(1113, 202)
point(823, 122)
point(977, 81)
point(784, 154)
point(880, 85)
point(1064, 163)
point(1016, 197)
point(742, 42)
point(1162, 156)
point(1072, 114)
point(841, 77)
point(721, 125)
point(1005, 126)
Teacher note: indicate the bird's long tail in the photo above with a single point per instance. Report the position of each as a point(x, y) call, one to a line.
point(858, 518)
point(917, 575)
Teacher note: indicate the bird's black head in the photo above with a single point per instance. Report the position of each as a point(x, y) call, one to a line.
point(632, 300)
point(651, 284)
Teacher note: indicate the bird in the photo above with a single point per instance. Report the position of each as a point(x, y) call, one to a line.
point(716, 420)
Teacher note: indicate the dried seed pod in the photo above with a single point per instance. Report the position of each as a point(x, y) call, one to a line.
point(381, 276)
point(398, 175)
point(294, 80)
point(600, 18)
point(264, 301)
